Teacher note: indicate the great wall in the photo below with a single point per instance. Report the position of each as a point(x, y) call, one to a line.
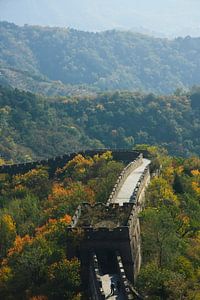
point(110, 249)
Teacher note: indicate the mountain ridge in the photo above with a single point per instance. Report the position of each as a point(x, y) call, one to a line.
point(34, 127)
point(108, 60)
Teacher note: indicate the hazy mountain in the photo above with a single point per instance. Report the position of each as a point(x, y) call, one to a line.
point(42, 59)
point(170, 17)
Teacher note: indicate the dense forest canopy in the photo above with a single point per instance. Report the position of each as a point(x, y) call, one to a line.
point(34, 127)
point(106, 60)
point(170, 228)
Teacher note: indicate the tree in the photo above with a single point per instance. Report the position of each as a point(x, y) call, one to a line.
point(160, 284)
point(160, 191)
point(7, 233)
point(36, 180)
point(161, 244)
point(63, 279)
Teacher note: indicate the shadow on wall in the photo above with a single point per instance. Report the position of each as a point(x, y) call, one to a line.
point(125, 156)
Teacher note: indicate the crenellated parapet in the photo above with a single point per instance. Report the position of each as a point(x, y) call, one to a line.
point(54, 163)
point(124, 283)
point(123, 176)
point(111, 219)
point(76, 216)
point(104, 219)
point(96, 290)
point(138, 195)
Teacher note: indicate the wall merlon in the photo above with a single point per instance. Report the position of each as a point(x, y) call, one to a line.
point(123, 278)
point(97, 292)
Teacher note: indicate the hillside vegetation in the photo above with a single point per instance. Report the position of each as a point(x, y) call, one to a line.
point(106, 60)
point(121, 120)
point(36, 210)
point(34, 127)
point(170, 228)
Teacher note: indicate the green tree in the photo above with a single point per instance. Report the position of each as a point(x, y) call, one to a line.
point(161, 244)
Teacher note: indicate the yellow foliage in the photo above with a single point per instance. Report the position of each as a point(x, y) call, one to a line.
point(76, 167)
point(19, 243)
point(196, 187)
point(52, 225)
point(160, 190)
point(168, 174)
point(105, 156)
point(8, 222)
point(32, 179)
point(2, 162)
point(5, 272)
point(79, 167)
point(79, 161)
point(196, 181)
point(5, 275)
point(179, 170)
point(195, 172)
point(185, 220)
point(59, 192)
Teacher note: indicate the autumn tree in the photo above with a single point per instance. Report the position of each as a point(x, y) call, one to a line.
point(36, 181)
point(7, 233)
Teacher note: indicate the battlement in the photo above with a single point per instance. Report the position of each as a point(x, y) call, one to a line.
point(123, 279)
point(102, 233)
point(141, 184)
point(102, 217)
point(95, 280)
point(122, 177)
point(111, 220)
point(125, 156)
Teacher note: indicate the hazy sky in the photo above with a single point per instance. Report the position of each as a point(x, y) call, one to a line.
point(172, 17)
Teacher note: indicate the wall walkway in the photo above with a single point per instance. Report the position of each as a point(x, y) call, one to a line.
point(126, 191)
point(130, 187)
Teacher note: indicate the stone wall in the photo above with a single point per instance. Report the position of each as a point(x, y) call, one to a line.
point(123, 279)
point(123, 176)
point(76, 216)
point(138, 195)
point(126, 239)
point(102, 215)
point(96, 290)
point(58, 162)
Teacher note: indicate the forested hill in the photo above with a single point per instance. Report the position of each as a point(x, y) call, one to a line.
point(34, 127)
point(31, 127)
point(32, 57)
